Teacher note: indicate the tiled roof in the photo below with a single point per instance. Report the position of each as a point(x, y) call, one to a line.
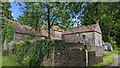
point(22, 28)
point(27, 29)
point(82, 28)
point(56, 28)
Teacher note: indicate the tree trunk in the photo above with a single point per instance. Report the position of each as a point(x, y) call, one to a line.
point(48, 23)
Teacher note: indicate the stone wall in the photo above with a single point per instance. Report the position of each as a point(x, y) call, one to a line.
point(93, 59)
point(99, 50)
point(75, 45)
point(70, 56)
point(98, 39)
point(79, 38)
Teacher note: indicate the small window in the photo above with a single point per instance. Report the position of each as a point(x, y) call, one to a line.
point(84, 37)
point(77, 34)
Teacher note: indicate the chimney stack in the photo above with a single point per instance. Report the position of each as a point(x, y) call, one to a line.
point(97, 22)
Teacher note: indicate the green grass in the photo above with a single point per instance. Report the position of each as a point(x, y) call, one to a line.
point(0, 61)
point(0, 57)
point(115, 52)
point(7, 61)
point(108, 58)
point(106, 61)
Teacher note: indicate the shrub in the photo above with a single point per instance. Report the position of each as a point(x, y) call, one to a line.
point(60, 43)
point(112, 41)
point(31, 53)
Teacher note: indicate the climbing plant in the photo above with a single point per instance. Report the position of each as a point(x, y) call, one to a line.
point(31, 53)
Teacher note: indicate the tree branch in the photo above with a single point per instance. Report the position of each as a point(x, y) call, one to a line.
point(53, 21)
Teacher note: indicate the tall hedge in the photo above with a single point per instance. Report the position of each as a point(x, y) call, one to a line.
point(31, 53)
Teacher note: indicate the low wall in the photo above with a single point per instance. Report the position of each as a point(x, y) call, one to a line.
point(69, 56)
point(99, 50)
point(79, 45)
point(93, 59)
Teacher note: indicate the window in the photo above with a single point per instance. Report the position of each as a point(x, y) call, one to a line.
point(77, 34)
point(84, 37)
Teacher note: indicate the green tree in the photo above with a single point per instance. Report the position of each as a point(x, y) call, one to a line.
point(5, 17)
point(5, 12)
point(7, 33)
point(49, 13)
point(108, 14)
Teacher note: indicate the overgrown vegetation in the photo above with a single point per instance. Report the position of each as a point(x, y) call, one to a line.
point(8, 32)
point(108, 59)
point(48, 14)
point(115, 52)
point(0, 58)
point(31, 53)
point(108, 15)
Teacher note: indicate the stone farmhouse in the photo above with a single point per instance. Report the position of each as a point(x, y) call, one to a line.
point(75, 38)
point(89, 34)
point(23, 31)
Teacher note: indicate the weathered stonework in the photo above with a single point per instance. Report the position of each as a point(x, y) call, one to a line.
point(90, 35)
point(70, 56)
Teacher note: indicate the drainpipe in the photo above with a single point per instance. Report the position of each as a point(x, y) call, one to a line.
point(86, 52)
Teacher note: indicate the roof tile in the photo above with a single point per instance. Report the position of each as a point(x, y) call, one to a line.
point(82, 29)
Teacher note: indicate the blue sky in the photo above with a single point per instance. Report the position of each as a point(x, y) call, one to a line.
point(15, 10)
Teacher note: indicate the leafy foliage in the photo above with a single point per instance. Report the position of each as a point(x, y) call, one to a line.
point(5, 17)
point(108, 14)
point(31, 53)
point(46, 14)
point(6, 13)
point(8, 32)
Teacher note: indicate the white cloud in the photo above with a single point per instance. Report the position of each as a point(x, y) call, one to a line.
point(12, 14)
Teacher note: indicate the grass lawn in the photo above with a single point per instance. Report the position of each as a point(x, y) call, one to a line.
point(0, 60)
point(6, 61)
point(108, 58)
point(106, 61)
point(0, 57)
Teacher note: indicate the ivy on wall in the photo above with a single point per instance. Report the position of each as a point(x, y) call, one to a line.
point(31, 53)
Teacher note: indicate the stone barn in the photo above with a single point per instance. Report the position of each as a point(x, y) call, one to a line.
point(23, 31)
point(89, 34)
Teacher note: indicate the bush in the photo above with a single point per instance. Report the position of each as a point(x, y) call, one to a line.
point(60, 43)
point(112, 41)
point(31, 53)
